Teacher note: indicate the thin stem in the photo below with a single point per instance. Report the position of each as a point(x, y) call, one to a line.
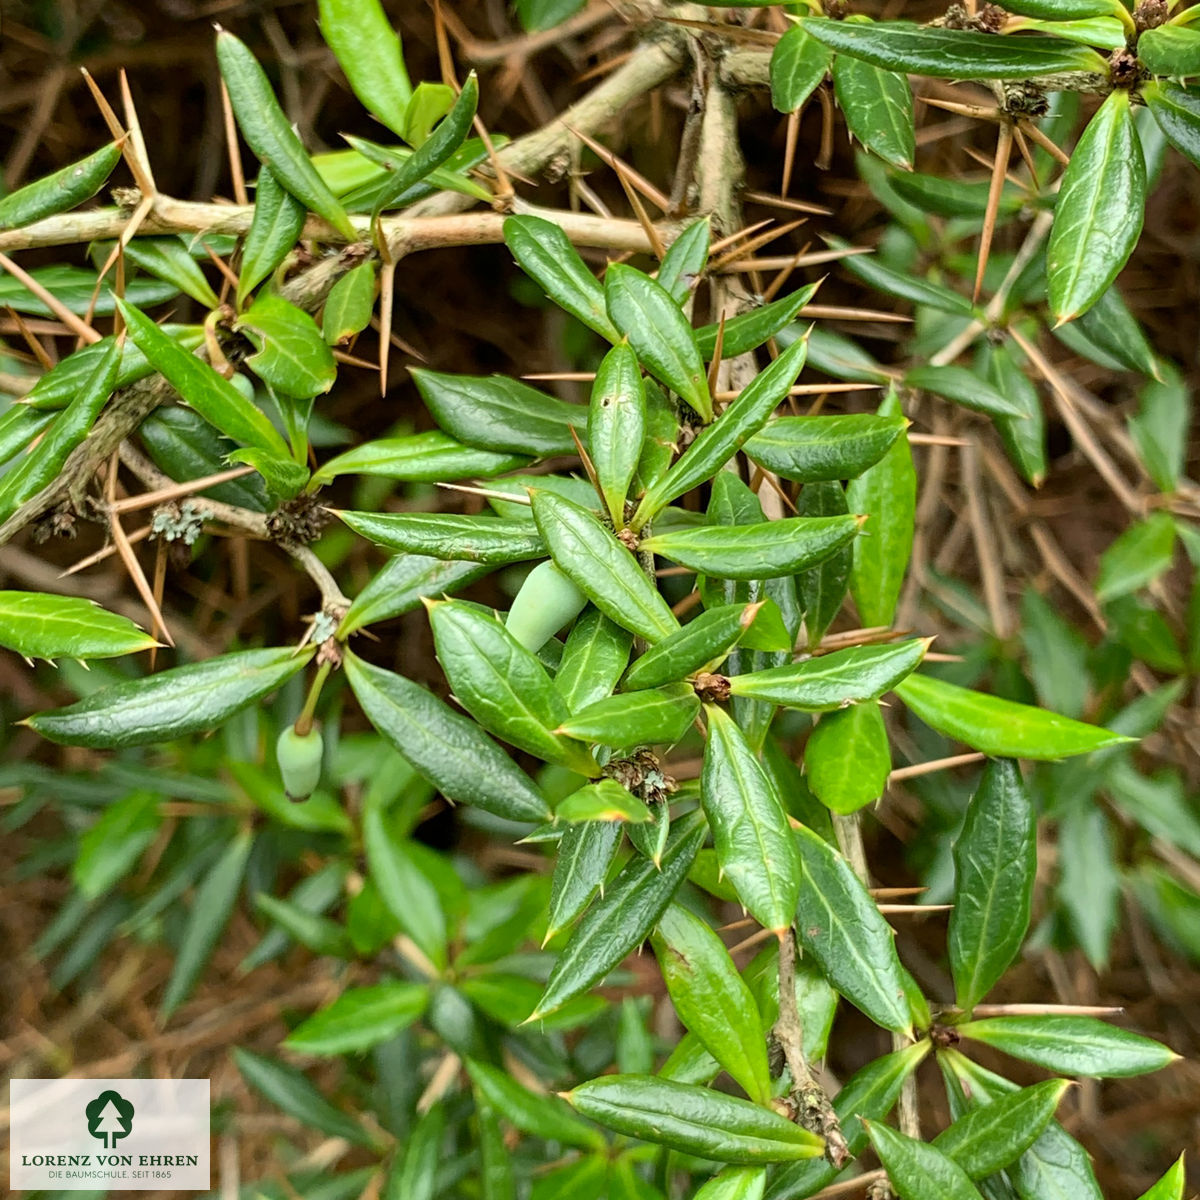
point(304, 722)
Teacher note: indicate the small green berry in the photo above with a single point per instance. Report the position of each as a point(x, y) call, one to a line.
point(299, 762)
point(546, 602)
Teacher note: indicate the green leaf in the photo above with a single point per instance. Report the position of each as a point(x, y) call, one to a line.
point(274, 230)
point(360, 1018)
point(840, 926)
point(812, 449)
point(1089, 881)
point(289, 1090)
point(846, 758)
point(1062, 10)
point(1110, 325)
point(1137, 558)
point(477, 538)
point(646, 313)
point(497, 413)
point(585, 853)
point(712, 1000)
point(81, 291)
point(348, 306)
point(798, 65)
point(754, 842)
point(368, 50)
point(1098, 217)
point(918, 1171)
point(210, 394)
point(693, 1120)
point(684, 261)
point(283, 476)
point(751, 329)
point(542, 1116)
point(1170, 1186)
point(622, 918)
point(1177, 111)
point(1001, 728)
point(878, 108)
point(402, 584)
point(617, 426)
point(988, 1138)
point(449, 750)
point(292, 355)
point(904, 285)
point(823, 588)
point(995, 861)
point(1071, 1045)
point(735, 1183)
point(964, 387)
point(431, 457)
point(545, 14)
point(1170, 50)
point(269, 134)
point(830, 682)
point(503, 685)
point(952, 197)
point(951, 53)
point(172, 703)
point(60, 190)
point(720, 441)
point(701, 642)
point(596, 653)
point(430, 102)
point(168, 258)
point(311, 930)
point(41, 625)
point(605, 800)
point(108, 850)
point(1159, 430)
point(546, 255)
point(763, 551)
point(652, 716)
point(1024, 437)
point(413, 1175)
point(211, 908)
point(601, 567)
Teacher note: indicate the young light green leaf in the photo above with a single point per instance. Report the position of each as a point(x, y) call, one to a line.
point(431, 457)
point(348, 306)
point(995, 861)
point(735, 1183)
point(964, 387)
point(430, 102)
point(476, 538)
point(360, 1018)
point(684, 261)
point(542, 1116)
point(171, 703)
point(1137, 558)
point(830, 682)
point(292, 355)
point(601, 567)
point(847, 759)
point(503, 685)
point(269, 134)
point(41, 625)
point(108, 850)
point(1072, 1045)
point(651, 716)
point(402, 584)
point(878, 107)
point(620, 921)
point(274, 230)
point(1001, 728)
point(812, 449)
point(754, 843)
point(596, 653)
point(1098, 217)
point(59, 191)
point(450, 750)
point(700, 642)
point(617, 426)
point(546, 255)
point(918, 1170)
point(693, 1120)
point(1170, 1186)
point(585, 853)
point(368, 50)
point(749, 330)
point(798, 65)
point(840, 926)
point(646, 313)
point(606, 801)
point(712, 1000)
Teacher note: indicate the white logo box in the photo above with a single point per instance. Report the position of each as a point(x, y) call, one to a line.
point(120, 1134)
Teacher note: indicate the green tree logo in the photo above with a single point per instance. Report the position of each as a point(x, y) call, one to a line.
point(109, 1117)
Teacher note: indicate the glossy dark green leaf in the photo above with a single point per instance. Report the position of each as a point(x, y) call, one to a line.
point(1137, 558)
point(749, 330)
point(418, 458)
point(1001, 728)
point(823, 588)
point(685, 259)
point(605, 800)
point(840, 926)
point(360, 1018)
point(964, 387)
point(995, 861)
point(811, 449)
point(19, 428)
point(1062, 10)
point(348, 306)
point(878, 108)
point(1072, 1045)
point(542, 1116)
point(168, 258)
point(1024, 437)
point(918, 1170)
point(477, 538)
point(647, 314)
point(503, 685)
point(171, 703)
point(1098, 217)
point(270, 135)
point(951, 53)
point(546, 255)
point(80, 291)
point(497, 413)
point(402, 584)
point(185, 446)
point(846, 758)
point(712, 1000)
point(289, 1090)
point(693, 1120)
point(601, 567)
point(851, 676)
point(585, 853)
point(1109, 325)
point(721, 440)
point(1170, 50)
point(292, 357)
point(447, 748)
point(701, 641)
point(41, 625)
point(798, 65)
point(109, 849)
point(59, 191)
point(596, 653)
point(754, 842)
point(368, 50)
point(623, 917)
point(901, 284)
point(952, 197)
point(1177, 111)
point(617, 426)
point(274, 230)
point(651, 716)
